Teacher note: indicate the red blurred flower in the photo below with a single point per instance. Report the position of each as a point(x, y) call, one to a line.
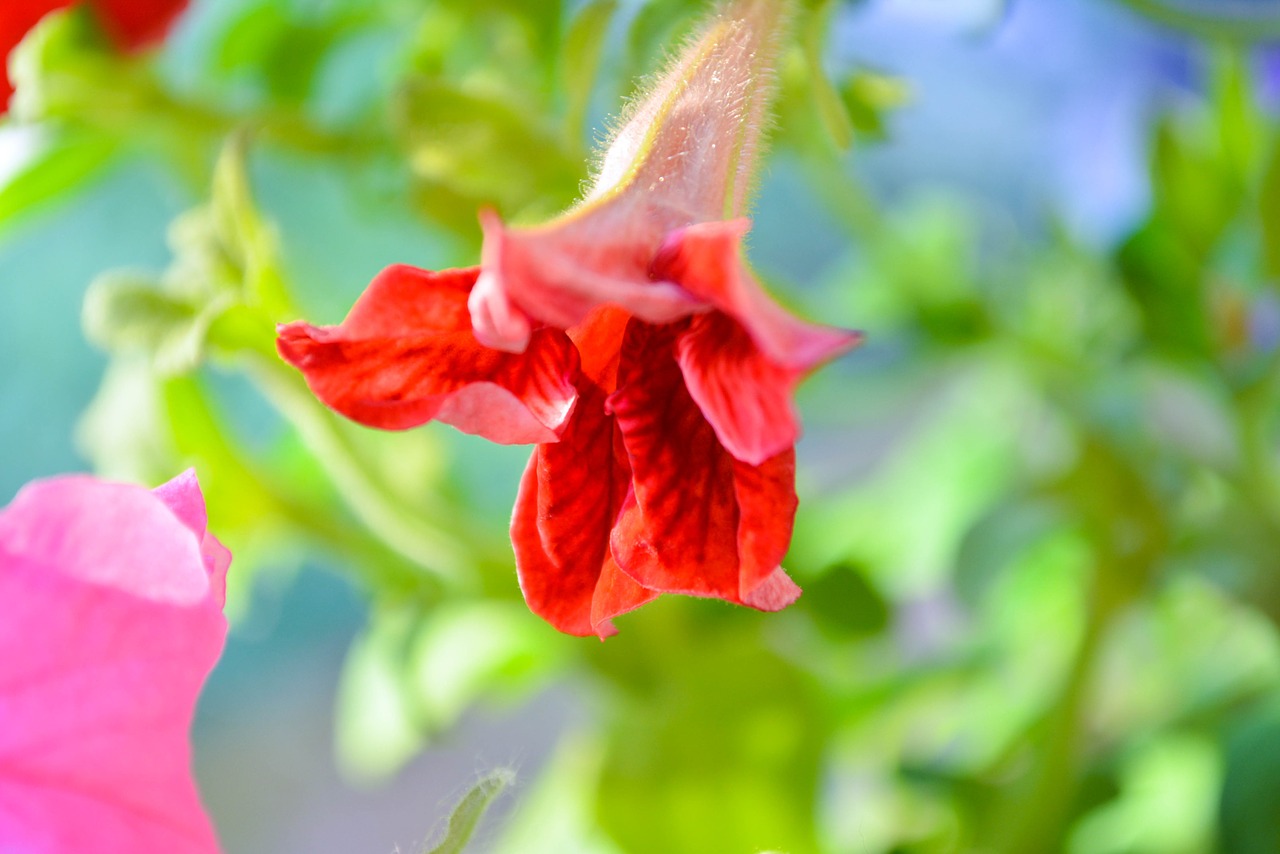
point(110, 620)
point(629, 329)
point(131, 24)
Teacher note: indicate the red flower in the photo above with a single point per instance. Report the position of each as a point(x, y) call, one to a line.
point(131, 24)
point(630, 330)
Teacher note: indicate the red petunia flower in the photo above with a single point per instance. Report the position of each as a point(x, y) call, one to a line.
point(131, 24)
point(629, 333)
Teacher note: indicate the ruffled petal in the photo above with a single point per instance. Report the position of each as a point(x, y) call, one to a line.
point(745, 397)
point(109, 623)
point(568, 500)
point(705, 259)
point(559, 273)
point(698, 521)
point(184, 499)
point(406, 355)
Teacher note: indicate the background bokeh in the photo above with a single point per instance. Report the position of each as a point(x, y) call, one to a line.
point(1040, 508)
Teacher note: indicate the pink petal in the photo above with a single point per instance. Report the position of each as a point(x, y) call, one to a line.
point(705, 259)
point(698, 521)
point(406, 355)
point(109, 624)
point(184, 499)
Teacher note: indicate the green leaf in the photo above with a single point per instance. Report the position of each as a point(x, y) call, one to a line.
point(124, 312)
point(246, 236)
point(508, 652)
point(580, 59)
point(123, 432)
point(467, 814)
point(868, 95)
point(375, 728)
point(718, 745)
point(1249, 809)
point(1269, 212)
point(484, 147)
point(64, 166)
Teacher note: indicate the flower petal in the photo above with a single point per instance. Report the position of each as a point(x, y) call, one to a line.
point(406, 355)
point(560, 272)
point(705, 259)
point(184, 499)
point(135, 23)
point(108, 627)
point(698, 521)
point(568, 500)
point(745, 397)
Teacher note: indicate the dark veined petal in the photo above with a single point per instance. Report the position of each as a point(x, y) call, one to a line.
point(406, 355)
point(568, 500)
point(698, 521)
point(745, 397)
point(705, 260)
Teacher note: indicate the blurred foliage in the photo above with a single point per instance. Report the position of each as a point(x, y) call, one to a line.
point(1039, 553)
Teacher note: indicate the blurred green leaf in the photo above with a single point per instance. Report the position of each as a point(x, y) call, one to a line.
point(580, 59)
point(722, 754)
point(63, 166)
point(376, 728)
point(485, 148)
point(507, 654)
point(844, 604)
point(868, 96)
point(1249, 811)
point(1168, 789)
point(123, 312)
point(1269, 212)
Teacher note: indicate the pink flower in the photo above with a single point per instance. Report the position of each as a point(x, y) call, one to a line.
point(632, 341)
point(110, 620)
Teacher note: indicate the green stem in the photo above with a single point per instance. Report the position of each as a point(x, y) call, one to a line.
point(1040, 810)
point(433, 545)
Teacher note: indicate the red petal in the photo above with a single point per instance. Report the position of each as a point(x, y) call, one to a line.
point(135, 23)
point(599, 340)
point(698, 521)
point(561, 272)
point(745, 397)
point(705, 259)
point(568, 500)
point(406, 354)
